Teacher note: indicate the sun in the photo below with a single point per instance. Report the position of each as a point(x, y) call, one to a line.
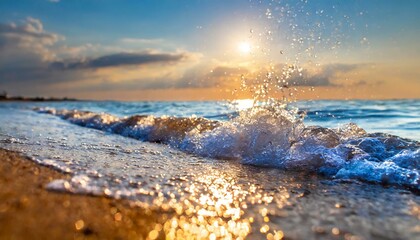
point(244, 47)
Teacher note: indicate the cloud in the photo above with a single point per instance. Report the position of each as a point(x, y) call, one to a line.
point(201, 76)
point(224, 76)
point(198, 76)
point(320, 76)
point(122, 59)
point(142, 41)
point(147, 43)
point(26, 44)
point(31, 29)
point(32, 56)
point(54, 1)
point(26, 50)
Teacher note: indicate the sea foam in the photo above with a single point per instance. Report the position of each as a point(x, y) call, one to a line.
point(272, 138)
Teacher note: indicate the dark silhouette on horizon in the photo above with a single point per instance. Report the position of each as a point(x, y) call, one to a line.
point(5, 97)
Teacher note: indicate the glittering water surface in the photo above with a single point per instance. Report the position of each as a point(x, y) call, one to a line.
point(205, 197)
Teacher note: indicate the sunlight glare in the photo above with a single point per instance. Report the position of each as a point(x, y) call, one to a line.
point(243, 104)
point(244, 47)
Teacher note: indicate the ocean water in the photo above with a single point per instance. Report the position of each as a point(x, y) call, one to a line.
point(314, 169)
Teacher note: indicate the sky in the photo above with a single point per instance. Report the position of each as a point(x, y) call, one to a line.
point(210, 49)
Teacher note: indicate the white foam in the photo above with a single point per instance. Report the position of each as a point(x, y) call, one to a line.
point(273, 138)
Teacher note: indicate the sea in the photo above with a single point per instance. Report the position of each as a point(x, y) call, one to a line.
point(236, 169)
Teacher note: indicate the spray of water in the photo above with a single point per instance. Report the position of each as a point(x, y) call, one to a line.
point(292, 43)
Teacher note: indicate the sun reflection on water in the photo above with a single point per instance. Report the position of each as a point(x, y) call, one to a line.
point(216, 206)
point(242, 104)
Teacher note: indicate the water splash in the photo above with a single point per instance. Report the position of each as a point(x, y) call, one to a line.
point(296, 41)
point(273, 137)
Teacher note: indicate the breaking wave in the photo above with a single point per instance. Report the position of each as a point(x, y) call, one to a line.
point(272, 138)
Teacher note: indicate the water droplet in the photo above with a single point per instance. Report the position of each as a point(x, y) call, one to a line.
point(79, 224)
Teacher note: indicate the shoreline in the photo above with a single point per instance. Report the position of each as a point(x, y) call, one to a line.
point(29, 211)
point(42, 99)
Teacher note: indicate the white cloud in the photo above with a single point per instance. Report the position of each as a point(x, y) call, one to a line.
point(26, 44)
point(142, 41)
point(32, 56)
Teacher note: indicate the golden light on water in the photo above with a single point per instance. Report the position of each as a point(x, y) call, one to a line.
point(212, 215)
point(242, 104)
point(221, 211)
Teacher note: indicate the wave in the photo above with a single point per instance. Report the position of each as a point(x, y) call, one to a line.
point(272, 138)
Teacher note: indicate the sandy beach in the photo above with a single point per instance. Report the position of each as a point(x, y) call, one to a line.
point(234, 120)
point(110, 186)
point(29, 211)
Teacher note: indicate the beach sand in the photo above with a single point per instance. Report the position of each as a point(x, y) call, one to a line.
point(314, 211)
point(29, 211)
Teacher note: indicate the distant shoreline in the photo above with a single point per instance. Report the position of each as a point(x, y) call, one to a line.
point(6, 98)
point(36, 99)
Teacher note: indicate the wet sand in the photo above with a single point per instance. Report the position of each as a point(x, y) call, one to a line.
point(309, 208)
point(29, 211)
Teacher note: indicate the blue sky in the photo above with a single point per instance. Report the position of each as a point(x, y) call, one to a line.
point(204, 37)
point(178, 20)
point(112, 19)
